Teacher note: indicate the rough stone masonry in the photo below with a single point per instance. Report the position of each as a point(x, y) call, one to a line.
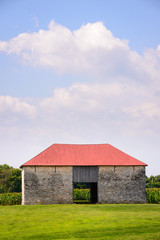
point(54, 184)
point(117, 184)
point(47, 185)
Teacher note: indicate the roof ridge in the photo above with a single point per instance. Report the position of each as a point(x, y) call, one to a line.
point(77, 144)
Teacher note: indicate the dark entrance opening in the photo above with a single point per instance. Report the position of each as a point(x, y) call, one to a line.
point(85, 180)
point(93, 193)
point(85, 193)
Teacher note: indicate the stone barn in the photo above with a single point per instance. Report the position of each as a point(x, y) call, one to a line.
point(113, 176)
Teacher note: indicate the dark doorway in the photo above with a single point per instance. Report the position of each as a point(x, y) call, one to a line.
point(85, 192)
point(85, 180)
point(93, 193)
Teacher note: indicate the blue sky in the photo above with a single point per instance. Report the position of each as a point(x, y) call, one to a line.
point(80, 72)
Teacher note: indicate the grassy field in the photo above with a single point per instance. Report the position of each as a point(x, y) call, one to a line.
point(122, 222)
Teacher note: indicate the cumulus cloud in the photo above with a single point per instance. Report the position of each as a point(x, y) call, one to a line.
point(107, 105)
point(17, 106)
point(123, 81)
point(120, 98)
point(91, 49)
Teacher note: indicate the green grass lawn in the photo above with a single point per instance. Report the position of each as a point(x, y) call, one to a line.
point(78, 221)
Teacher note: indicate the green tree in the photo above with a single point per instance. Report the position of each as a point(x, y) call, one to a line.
point(5, 171)
point(153, 182)
point(14, 181)
point(10, 179)
point(5, 167)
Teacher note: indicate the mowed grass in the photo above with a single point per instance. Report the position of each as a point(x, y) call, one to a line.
point(76, 221)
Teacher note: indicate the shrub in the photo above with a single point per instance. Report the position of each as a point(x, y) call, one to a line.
point(82, 194)
point(10, 198)
point(153, 195)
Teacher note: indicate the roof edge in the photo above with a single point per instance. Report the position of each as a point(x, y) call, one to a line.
point(145, 165)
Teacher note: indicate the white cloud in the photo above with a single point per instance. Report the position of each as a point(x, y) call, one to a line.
point(125, 105)
point(35, 20)
point(121, 98)
point(150, 110)
point(92, 49)
point(15, 105)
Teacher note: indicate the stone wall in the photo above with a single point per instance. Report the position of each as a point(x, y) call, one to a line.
point(52, 185)
point(47, 185)
point(118, 184)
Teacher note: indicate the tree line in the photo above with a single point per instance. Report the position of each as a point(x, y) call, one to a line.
point(10, 180)
point(153, 182)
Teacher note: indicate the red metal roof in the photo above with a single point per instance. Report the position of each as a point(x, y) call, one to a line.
point(83, 155)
